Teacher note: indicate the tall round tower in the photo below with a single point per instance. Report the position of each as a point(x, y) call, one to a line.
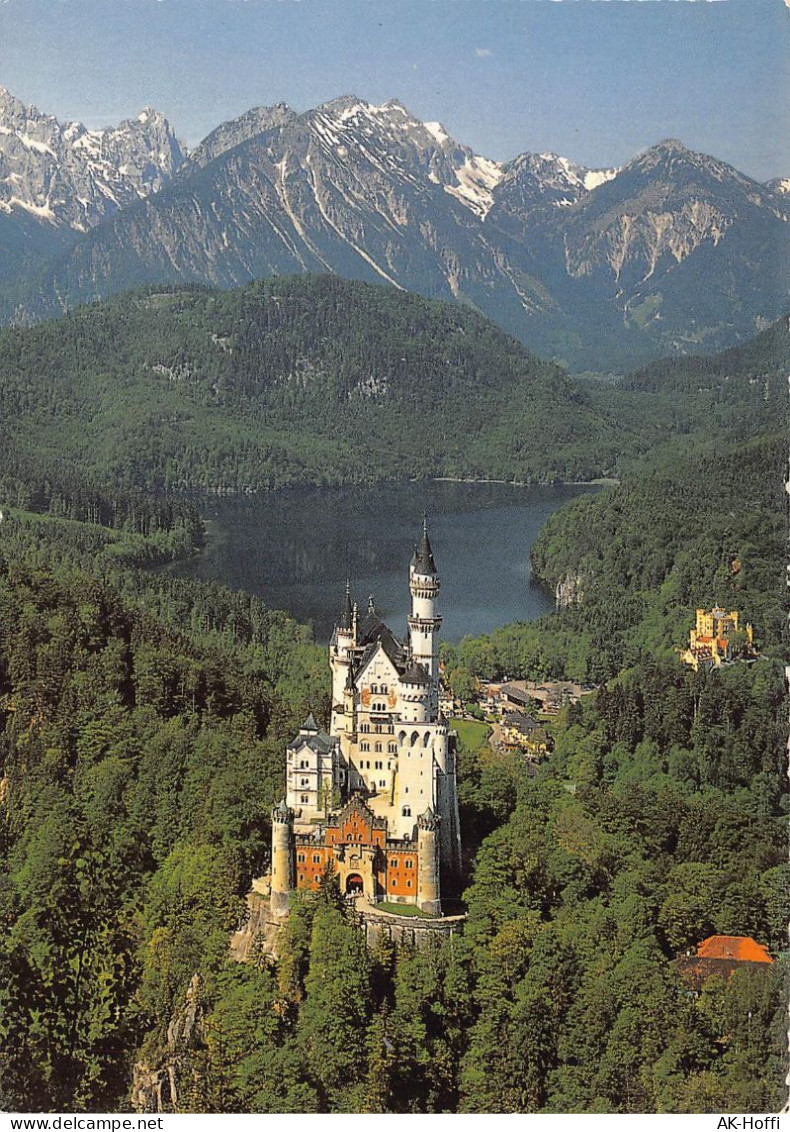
point(428, 894)
point(340, 656)
point(282, 859)
point(424, 621)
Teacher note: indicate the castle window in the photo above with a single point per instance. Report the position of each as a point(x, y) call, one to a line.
point(414, 737)
point(426, 739)
point(303, 764)
point(391, 748)
point(316, 859)
point(406, 812)
point(377, 747)
point(300, 857)
point(408, 864)
point(408, 884)
point(374, 688)
point(304, 798)
point(364, 727)
point(384, 689)
point(301, 876)
point(364, 746)
point(406, 790)
point(394, 863)
point(349, 837)
point(305, 782)
point(318, 876)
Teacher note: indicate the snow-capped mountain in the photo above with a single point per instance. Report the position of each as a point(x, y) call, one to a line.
point(676, 250)
point(70, 176)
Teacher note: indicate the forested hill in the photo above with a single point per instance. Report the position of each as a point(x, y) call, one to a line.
point(762, 359)
point(142, 728)
point(290, 381)
point(697, 530)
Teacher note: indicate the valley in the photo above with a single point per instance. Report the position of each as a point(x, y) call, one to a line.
point(240, 379)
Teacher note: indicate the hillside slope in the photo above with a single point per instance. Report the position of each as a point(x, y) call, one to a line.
point(303, 380)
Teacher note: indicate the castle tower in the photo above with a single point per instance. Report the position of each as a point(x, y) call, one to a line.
point(340, 657)
point(424, 621)
point(282, 859)
point(428, 894)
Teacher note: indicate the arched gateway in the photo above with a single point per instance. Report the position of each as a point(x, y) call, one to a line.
point(355, 886)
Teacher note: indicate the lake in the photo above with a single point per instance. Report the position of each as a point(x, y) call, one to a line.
point(295, 550)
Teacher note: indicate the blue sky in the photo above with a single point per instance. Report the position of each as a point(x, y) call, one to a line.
point(595, 80)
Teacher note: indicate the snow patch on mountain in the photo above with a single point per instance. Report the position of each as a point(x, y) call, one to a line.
point(476, 179)
point(593, 178)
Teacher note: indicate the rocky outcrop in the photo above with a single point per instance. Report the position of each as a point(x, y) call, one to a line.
point(157, 1089)
point(260, 932)
point(568, 591)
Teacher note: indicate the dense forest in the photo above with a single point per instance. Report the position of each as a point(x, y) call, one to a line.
point(143, 720)
point(315, 380)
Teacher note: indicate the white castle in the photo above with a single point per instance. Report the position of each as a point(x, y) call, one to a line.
point(374, 800)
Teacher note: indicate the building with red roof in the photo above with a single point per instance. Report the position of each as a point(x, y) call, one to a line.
point(720, 955)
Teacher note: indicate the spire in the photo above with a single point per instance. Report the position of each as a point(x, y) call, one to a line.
point(310, 724)
point(371, 605)
point(348, 610)
point(425, 563)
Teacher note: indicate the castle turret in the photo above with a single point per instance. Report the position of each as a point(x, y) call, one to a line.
point(428, 893)
point(282, 859)
point(340, 656)
point(424, 621)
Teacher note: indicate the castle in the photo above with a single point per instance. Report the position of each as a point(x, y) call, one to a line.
point(711, 641)
point(374, 800)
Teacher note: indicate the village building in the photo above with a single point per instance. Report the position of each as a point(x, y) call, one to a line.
point(720, 955)
point(373, 800)
point(522, 732)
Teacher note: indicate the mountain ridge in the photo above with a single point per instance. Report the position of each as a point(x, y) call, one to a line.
point(673, 252)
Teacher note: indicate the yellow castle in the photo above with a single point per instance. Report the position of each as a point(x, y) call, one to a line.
point(711, 640)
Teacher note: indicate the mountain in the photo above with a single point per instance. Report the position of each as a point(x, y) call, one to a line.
point(678, 250)
point(60, 179)
point(674, 252)
point(300, 380)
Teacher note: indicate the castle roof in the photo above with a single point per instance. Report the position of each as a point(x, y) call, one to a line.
point(316, 740)
point(415, 674)
point(423, 561)
point(310, 724)
point(358, 804)
point(347, 611)
point(372, 632)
